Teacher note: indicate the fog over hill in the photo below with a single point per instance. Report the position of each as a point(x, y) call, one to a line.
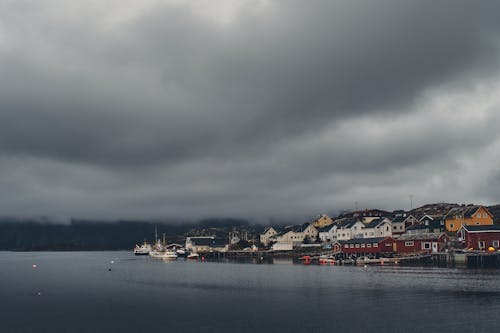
point(44, 233)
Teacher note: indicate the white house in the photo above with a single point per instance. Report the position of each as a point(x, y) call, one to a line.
point(328, 234)
point(344, 229)
point(267, 235)
point(297, 234)
point(381, 227)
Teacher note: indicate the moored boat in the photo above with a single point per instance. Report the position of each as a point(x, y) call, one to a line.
point(324, 260)
point(165, 255)
point(142, 250)
point(169, 255)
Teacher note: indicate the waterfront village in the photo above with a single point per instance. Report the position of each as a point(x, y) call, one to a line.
point(433, 234)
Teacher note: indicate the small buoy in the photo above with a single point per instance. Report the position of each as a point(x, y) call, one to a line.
point(202, 258)
point(34, 266)
point(109, 269)
point(39, 293)
point(112, 261)
point(365, 266)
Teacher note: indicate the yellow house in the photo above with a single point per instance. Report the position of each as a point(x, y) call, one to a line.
point(467, 215)
point(322, 221)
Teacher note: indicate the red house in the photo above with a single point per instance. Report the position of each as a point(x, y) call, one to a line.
point(479, 237)
point(421, 243)
point(366, 246)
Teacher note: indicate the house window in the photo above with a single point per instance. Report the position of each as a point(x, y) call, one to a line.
point(388, 244)
point(426, 246)
point(375, 245)
point(357, 246)
point(484, 215)
point(351, 246)
point(346, 246)
point(478, 215)
point(362, 245)
point(477, 223)
point(409, 243)
point(495, 243)
point(368, 245)
point(451, 225)
point(481, 244)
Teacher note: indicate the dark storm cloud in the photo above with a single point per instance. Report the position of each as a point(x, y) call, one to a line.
point(166, 104)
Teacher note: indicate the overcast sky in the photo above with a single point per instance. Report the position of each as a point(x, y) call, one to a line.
point(256, 109)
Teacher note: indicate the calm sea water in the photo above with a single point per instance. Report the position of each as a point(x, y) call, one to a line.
point(76, 292)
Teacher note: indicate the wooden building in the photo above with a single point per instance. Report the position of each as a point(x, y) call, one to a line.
point(421, 243)
point(467, 215)
point(366, 246)
point(480, 237)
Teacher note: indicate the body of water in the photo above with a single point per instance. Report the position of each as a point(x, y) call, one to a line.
point(117, 292)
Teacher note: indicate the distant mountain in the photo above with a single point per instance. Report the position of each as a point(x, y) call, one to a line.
point(78, 235)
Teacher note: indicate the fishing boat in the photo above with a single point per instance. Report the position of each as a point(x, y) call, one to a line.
point(169, 255)
point(165, 255)
point(142, 250)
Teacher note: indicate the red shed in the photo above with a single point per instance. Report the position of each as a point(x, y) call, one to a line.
point(421, 243)
point(366, 246)
point(479, 237)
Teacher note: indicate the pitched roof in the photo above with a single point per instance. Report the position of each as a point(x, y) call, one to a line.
point(365, 240)
point(423, 236)
point(325, 228)
point(399, 219)
point(268, 229)
point(482, 228)
point(296, 228)
point(375, 223)
point(465, 211)
point(418, 227)
point(346, 222)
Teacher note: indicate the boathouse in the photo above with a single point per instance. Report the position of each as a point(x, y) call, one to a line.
point(421, 243)
point(480, 237)
point(366, 246)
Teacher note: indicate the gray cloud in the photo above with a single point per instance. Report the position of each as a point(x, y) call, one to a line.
point(286, 109)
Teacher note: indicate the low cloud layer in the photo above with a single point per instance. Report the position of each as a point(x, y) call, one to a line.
point(257, 109)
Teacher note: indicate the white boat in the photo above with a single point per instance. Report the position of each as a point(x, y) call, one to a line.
point(169, 255)
point(166, 255)
point(142, 250)
point(193, 256)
